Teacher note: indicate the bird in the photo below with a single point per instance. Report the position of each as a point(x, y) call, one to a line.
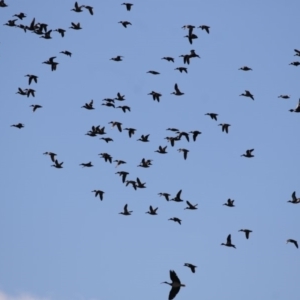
point(145, 163)
point(77, 8)
point(132, 182)
point(295, 63)
point(229, 203)
point(109, 104)
point(3, 4)
point(173, 129)
point(35, 107)
point(181, 69)
point(228, 242)
point(245, 68)
point(212, 115)
point(51, 154)
point(120, 97)
point(297, 109)
point(247, 232)
point(140, 184)
point(185, 152)
point(126, 212)
point(31, 77)
point(297, 52)
point(152, 211)
point(284, 96)
point(125, 23)
point(155, 95)
point(248, 153)
point(19, 125)
point(123, 174)
point(51, 62)
point(106, 156)
point(118, 124)
point(128, 5)
point(89, 8)
point(177, 197)
point(119, 162)
point(68, 53)
point(247, 94)
point(107, 140)
point(57, 165)
point(153, 72)
point(166, 195)
point(98, 193)
point(30, 92)
point(75, 26)
point(144, 138)
point(193, 54)
point(117, 58)
point(192, 267)
point(191, 37)
point(191, 206)
point(47, 35)
point(186, 58)
point(88, 106)
point(183, 133)
point(89, 164)
point(11, 23)
point(168, 58)
point(292, 241)
point(161, 150)
point(172, 140)
point(175, 220)
point(294, 200)
point(225, 127)
point(60, 31)
point(20, 16)
point(176, 285)
point(177, 91)
point(22, 92)
point(195, 134)
point(131, 131)
point(204, 27)
point(124, 108)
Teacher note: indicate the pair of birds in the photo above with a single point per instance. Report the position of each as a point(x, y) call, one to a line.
point(228, 240)
point(78, 8)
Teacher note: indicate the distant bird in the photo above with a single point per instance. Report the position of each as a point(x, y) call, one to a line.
point(57, 165)
point(183, 133)
point(19, 125)
point(126, 212)
point(98, 193)
point(35, 107)
point(248, 153)
point(177, 197)
point(292, 241)
point(177, 91)
point(124, 108)
point(131, 131)
point(140, 184)
point(144, 138)
point(128, 5)
point(107, 140)
point(125, 23)
point(247, 94)
point(189, 27)
point(186, 58)
point(60, 31)
point(75, 26)
point(118, 124)
point(77, 8)
point(117, 58)
point(88, 106)
point(191, 206)
point(166, 195)
point(47, 35)
point(245, 68)
point(161, 150)
point(30, 92)
point(195, 134)
point(22, 92)
point(51, 62)
point(20, 16)
point(176, 285)
point(106, 156)
point(181, 69)
point(173, 129)
point(284, 96)
point(51, 154)
point(228, 242)
point(123, 174)
point(172, 140)
point(89, 164)
point(68, 53)
point(192, 267)
point(155, 95)
point(145, 163)
point(120, 97)
point(152, 211)
point(109, 104)
point(153, 72)
point(204, 27)
point(297, 52)
point(89, 8)
point(119, 162)
point(295, 63)
point(11, 23)
point(3, 4)
point(191, 37)
point(132, 182)
point(294, 200)
point(247, 232)
point(175, 220)
point(229, 203)
point(212, 115)
point(225, 127)
point(297, 109)
point(185, 152)
point(168, 58)
point(193, 54)
point(31, 77)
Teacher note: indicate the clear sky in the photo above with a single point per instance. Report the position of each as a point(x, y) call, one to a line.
point(59, 242)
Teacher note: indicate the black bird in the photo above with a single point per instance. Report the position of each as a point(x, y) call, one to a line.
point(20, 16)
point(177, 197)
point(22, 92)
point(51, 154)
point(123, 174)
point(107, 140)
point(212, 115)
point(132, 182)
point(185, 134)
point(117, 58)
point(294, 200)
point(204, 27)
point(75, 26)
point(292, 241)
point(119, 162)
point(57, 165)
point(118, 124)
point(189, 27)
point(144, 138)
point(152, 211)
point(247, 232)
point(173, 129)
point(247, 94)
point(185, 152)
point(155, 95)
point(229, 203)
point(140, 184)
point(3, 4)
point(145, 163)
point(228, 242)
point(284, 96)
point(77, 8)
point(225, 127)
point(124, 108)
point(192, 267)
point(186, 58)
point(47, 35)
point(248, 153)
point(131, 131)
point(168, 58)
point(153, 72)
point(89, 8)
point(297, 109)
point(195, 134)
point(128, 5)
point(181, 69)
point(166, 195)
point(35, 107)
point(193, 54)
point(295, 63)
point(161, 150)
point(177, 91)
point(11, 23)
point(30, 92)
point(19, 125)
point(68, 53)
point(126, 212)
point(120, 97)
point(51, 62)
point(172, 140)
point(60, 31)
point(31, 77)
point(106, 157)
point(245, 68)
point(125, 23)
point(175, 220)
point(98, 193)
point(191, 206)
point(88, 106)
point(191, 37)
point(89, 164)
point(176, 285)
point(297, 52)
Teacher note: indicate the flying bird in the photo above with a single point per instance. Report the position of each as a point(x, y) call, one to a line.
point(175, 284)
point(35, 107)
point(247, 232)
point(225, 127)
point(191, 206)
point(247, 94)
point(229, 203)
point(204, 27)
point(248, 153)
point(98, 193)
point(128, 5)
point(152, 211)
point(177, 91)
point(185, 152)
point(192, 267)
point(126, 212)
point(125, 23)
point(292, 241)
point(175, 220)
point(228, 242)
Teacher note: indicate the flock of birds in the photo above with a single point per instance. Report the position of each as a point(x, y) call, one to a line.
point(41, 29)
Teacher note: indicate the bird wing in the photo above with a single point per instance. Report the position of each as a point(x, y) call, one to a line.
point(125, 208)
point(294, 196)
point(185, 154)
point(174, 277)
point(297, 51)
point(178, 194)
point(247, 234)
point(176, 88)
point(229, 239)
point(189, 204)
point(174, 291)
point(138, 181)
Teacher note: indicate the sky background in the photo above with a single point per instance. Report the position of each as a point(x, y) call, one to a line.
point(60, 242)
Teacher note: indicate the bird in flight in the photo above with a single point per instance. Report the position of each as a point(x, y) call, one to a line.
point(175, 284)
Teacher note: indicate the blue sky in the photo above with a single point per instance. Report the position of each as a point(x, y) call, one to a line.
point(60, 242)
